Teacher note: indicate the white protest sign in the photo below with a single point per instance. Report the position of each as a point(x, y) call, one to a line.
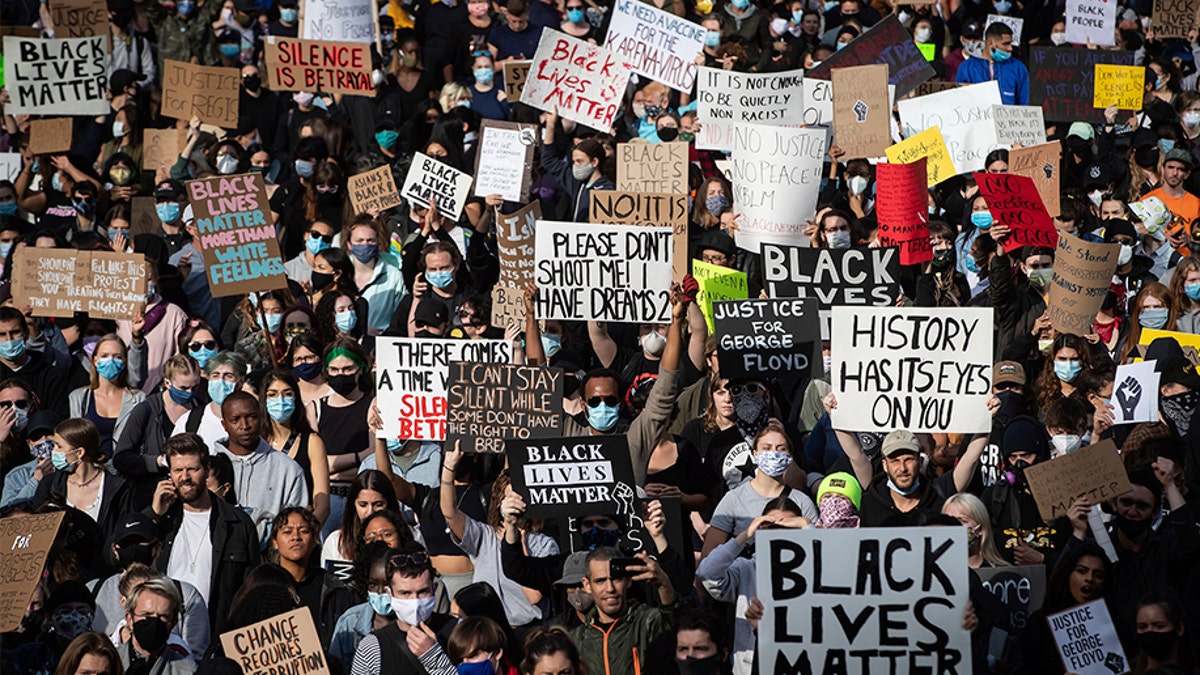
point(1022, 124)
point(1135, 393)
point(776, 175)
point(1011, 21)
point(1094, 20)
point(503, 161)
point(964, 115)
point(832, 597)
point(583, 81)
point(411, 380)
point(661, 46)
point(595, 272)
point(817, 102)
point(430, 180)
point(56, 77)
point(10, 165)
point(914, 368)
point(727, 99)
point(1087, 641)
point(338, 20)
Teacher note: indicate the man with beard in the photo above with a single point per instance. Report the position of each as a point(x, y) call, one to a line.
point(206, 541)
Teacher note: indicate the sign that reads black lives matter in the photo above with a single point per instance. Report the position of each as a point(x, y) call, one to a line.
point(491, 402)
point(573, 476)
point(67, 76)
point(766, 337)
point(847, 276)
point(870, 600)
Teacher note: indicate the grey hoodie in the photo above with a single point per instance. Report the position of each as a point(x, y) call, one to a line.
point(266, 482)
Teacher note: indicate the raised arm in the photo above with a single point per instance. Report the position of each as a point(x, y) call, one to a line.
point(863, 470)
point(456, 519)
point(602, 343)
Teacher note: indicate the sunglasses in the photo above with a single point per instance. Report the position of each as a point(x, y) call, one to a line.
point(608, 400)
point(327, 238)
point(197, 346)
point(327, 189)
point(751, 388)
point(410, 559)
point(21, 405)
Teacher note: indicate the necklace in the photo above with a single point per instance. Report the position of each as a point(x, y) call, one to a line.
point(82, 484)
point(194, 550)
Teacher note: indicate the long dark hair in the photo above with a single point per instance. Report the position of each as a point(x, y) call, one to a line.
point(480, 599)
point(298, 422)
point(351, 525)
point(340, 262)
point(1058, 589)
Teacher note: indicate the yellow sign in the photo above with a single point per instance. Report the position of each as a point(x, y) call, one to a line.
point(1122, 86)
point(1190, 342)
point(928, 50)
point(717, 283)
point(928, 144)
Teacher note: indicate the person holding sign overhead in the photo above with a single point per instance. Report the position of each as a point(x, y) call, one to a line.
point(584, 170)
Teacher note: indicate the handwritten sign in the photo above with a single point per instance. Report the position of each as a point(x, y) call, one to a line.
point(432, 181)
point(727, 98)
point(236, 234)
point(861, 115)
point(79, 18)
point(584, 82)
point(66, 76)
point(1120, 86)
point(817, 101)
point(716, 284)
point(654, 43)
point(505, 160)
point(341, 20)
point(10, 165)
point(374, 190)
point(964, 116)
point(287, 643)
point(928, 145)
point(1020, 589)
point(490, 403)
point(50, 137)
point(1019, 124)
point(514, 243)
point(1173, 18)
point(573, 476)
point(1092, 21)
point(57, 282)
point(1087, 641)
point(1040, 164)
point(1095, 472)
point(25, 541)
point(1062, 79)
point(776, 175)
point(772, 337)
point(1083, 273)
point(848, 276)
point(1015, 202)
point(515, 74)
point(653, 167)
point(161, 147)
point(208, 92)
point(887, 42)
point(648, 210)
point(324, 66)
point(902, 207)
point(1016, 25)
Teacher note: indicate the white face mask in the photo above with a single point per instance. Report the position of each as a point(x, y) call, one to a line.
point(654, 343)
point(857, 185)
point(413, 611)
point(974, 48)
point(838, 239)
point(1065, 443)
point(118, 129)
point(923, 35)
point(1096, 197)
point(1125, 255)
point(1059, 39)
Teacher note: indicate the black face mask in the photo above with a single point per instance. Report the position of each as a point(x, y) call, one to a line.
point(1133, 529)
point(151, 634)
point(943, 260)
point(706, 666)
point(320, 280)
point(252, 82)
point(1156, 645)
point(342, 384)
point(426, 335)
point(1146, 157)
point(135, 553)
point(668, 134)
point(1012, 404)
point(1016, 473)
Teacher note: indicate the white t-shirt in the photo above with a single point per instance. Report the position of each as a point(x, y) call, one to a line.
point(210, 429)
point(191, 556)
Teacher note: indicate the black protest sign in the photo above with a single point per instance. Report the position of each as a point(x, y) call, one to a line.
point(1061, 80)
point(773, 336)
point(847, 276)
point(573, 476)
point(634, 537)
point(887, 42)
point(1020, 589)
point(490, 403)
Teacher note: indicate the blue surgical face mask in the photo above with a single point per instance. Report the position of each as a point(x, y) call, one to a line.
point(364, 253)
point(1067, 371)
point(1002, 6)
point(304, 168)
point(387, 138)
point(712, 38)
point(484, 75)
point(59, 460)
point(551, 343)
point(230, 50)
point(202, 355)
point(315, 245)
point(381, 603)
point(484, 667)
point(440, 279)
point(110, 368)
point(272, 322)
point(289, 14)
point(5, 249)
point(180, 396)
point(219, 389)
point(830, 4)
point(1153, 318)
point(741, 4)
point(1000, 55)
point(1192, 290)
point(971, 265)
point(841, 45)
point(185, 7)
point(603, 417)
point(797, 16)
point(982, 219)
point(575, 15)
point(168, 212)
point(345, 320)
point(11, 350)
point(1167, 144)
point(8, 208)
point(281, 408)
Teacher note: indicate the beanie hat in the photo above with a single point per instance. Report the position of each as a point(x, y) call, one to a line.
point(1025, 434)
point(843, 484)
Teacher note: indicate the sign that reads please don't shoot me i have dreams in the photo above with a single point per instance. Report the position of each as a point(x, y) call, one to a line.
point(236, 234)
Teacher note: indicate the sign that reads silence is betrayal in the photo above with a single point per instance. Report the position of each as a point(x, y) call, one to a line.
point(654, 43)
point(775, 336)
point(67, 76)
point(583, 81)
point(868, 600)
point(431, 181)
point(849, 276)
point(236, 234)
point(573, 476)
point(490, 403)
point(412, 378)
point(921, 369)
point(595, 272)
point(287, 643)
point(56, 282)
point(311, 65)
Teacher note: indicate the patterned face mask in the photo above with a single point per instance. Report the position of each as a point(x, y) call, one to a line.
point(836, 511)
point(71, 623)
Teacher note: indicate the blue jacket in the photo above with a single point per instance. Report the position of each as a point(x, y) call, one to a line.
point(1012, 75)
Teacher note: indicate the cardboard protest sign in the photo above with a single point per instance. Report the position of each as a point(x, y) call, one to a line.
point(236, 234)
point(1095, 22)
point(573, 476)
point(1083, 273)
point(928, 145)
point(831, 597)
point(1135, 393)
point(287, 643)
point(1040, 163)
point(50, 137)
point(654, 43)
point(412, 379)
point(1016, 24)
point(25, 541)
point(726, 98)
point(921, 369)
point(817, 101)
point(515, 74)
point(56, 77)
point(1174, 18)
point(58, 282)
point(209, 92)
point(650, 210)
point(1015, 202)
point(861, 115)
point(162, 147)
point(79, 18)
point(1061, 79)
point(775, 337)
point(716, 284)
point(1095, 472)
point(505, 160)
point(902, 207)
point(963, 115)
point(490, 403)
point(342, 20)
point(144, 216)
point(887, 42)
point(653, 167)
point(318, 66)
point(432, 181)
point(374, 190)
point(1019, 124)
point(1087, 641)
point(1021, 589)
point(584, 82)
point(1120, 86)
point(850, 276)
point(776, 175)
point(514, 243)
point(593, 272)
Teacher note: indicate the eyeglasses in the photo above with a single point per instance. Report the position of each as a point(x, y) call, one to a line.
point(749, 388)
point(21, 404)
point(197, 346)
point(714, 259)
point(327, 238)
point(607, 400)
point(419, 559)
point(327, 189)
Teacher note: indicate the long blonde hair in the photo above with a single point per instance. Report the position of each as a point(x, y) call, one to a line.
point(973, 508)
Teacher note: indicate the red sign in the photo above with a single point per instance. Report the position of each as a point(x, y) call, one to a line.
point(1014, 201)
point(902, 208)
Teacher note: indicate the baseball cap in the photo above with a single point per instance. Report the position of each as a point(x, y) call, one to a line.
point(1083, 130)
point(122, 78)
point(431, 311)
point(843, 484)
point(574, 569)
point(1008, 371)
point(1180, 155)
point(899, 442)
point(41, 423)
point(135, 525)
point(1154, 215)
point(170, 189)
point(972, 30)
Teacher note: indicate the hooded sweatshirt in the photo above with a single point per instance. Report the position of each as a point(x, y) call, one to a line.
point(266, 482)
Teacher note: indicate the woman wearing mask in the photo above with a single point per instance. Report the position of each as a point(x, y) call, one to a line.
point(370, 493)
point(1153, 308)
point(487, 99)
point(1159, 625)
point(333, 271)
point(121, 173)
point(370, 578)
point(304, 358)
point(294, 542)
point(108, 400)
point(80, 479)
point(576, 24)
point(581, 173)
point(126, 136)
point(981, 544)
point(1185, 290)
point(322, 200)
point(666, 127)
point(1187, 105)
point(118, 225)
point(158, 324)
point(942, 285)
point(977, 220)
point(340, 420)
point(318, 238)
point(833, 230)
point(377, 274)
point(228, 158)
point(254, 328)
point(712, 208)
point(222, 375)
point(140, 447)
point(199, 341)
point(337, 319)
point(287, 430)
point(1068, 356)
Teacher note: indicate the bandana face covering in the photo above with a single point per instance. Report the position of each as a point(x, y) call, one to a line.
point(836, 512)
point(1179, 409)
point(751, 412)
